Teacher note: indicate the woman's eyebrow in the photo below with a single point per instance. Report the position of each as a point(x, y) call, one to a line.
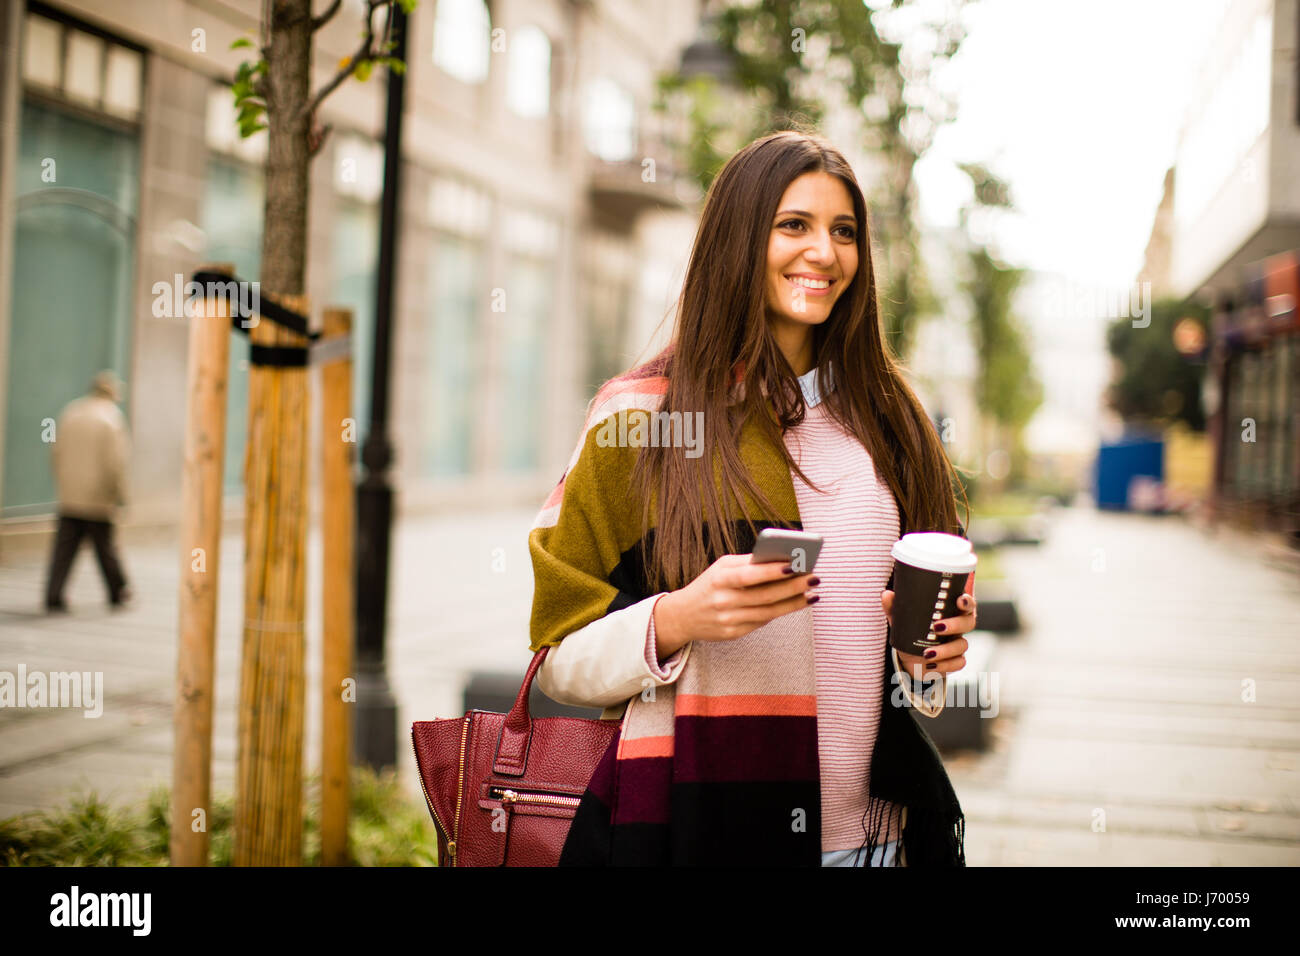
point(807, 215)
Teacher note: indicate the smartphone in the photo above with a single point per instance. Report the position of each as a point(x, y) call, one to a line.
point(799, 548)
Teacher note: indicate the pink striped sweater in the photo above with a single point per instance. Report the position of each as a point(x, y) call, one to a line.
point(858, 517)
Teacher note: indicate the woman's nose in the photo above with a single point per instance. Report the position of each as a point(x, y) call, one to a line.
point(820, 250)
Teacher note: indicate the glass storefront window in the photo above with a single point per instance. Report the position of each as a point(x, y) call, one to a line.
point(529, 286)
point(453, 386)
point(355, 259)
point(607, 282)
point(76, 199)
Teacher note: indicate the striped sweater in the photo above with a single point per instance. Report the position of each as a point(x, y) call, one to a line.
point(724, 764)
point(857, 515)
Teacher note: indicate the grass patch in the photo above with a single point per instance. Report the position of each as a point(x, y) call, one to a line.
point(385, 828)
point(1011, 505)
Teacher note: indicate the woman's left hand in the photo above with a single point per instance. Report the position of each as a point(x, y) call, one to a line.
point(944, 658)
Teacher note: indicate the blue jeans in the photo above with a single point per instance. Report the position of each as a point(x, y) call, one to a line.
point(884, 856)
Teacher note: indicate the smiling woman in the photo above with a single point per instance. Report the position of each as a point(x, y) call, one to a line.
point(758, 724)
point(812, 256)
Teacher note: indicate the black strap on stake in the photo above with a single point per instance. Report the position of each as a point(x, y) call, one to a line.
point(278, 356)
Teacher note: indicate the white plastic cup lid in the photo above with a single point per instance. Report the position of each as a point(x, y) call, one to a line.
point(935, 551)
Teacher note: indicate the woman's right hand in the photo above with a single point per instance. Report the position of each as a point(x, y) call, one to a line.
point(732, 597)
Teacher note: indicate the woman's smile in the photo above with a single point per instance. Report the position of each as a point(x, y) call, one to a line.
point(811, 283)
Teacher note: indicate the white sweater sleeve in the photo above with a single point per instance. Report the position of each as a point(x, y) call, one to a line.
point(606, 662)
point(919, 701)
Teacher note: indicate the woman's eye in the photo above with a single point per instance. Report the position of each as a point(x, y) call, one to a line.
point(798, 223)
point(848, 232)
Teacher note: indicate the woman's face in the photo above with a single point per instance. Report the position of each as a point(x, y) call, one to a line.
point(812, 251)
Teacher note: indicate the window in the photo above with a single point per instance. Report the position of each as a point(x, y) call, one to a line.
point(84, 67)
point(74, 244)
point(122, 81)
point(609, 121)
point(462, 36)
point(531, 240)
point(608, 267)
point(354, 268)
point(358, 168)
point(528, 83)
point(460, 213)
point(451, 388)
point(42, 52)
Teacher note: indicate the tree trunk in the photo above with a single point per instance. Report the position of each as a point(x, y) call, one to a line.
point(284, 230)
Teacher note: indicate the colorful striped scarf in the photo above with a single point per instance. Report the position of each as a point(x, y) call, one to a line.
point(721, 766)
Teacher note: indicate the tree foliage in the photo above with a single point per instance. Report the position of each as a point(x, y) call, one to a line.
point(794, 64)
point(1006, 388)
point(273, 93)
point(1154, 383)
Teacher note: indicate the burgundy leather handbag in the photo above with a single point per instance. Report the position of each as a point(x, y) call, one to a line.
point(503, 788)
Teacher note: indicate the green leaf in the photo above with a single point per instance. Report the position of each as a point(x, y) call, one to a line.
point(241, 42)
point(362, 70)
point(407, 5)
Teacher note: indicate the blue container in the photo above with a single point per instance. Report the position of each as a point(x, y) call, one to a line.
point(1120, 462)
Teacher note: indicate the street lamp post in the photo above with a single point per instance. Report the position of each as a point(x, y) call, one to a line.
point(375, 727)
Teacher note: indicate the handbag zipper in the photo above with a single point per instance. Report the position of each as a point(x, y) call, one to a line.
point(460, 786)
point(451, 835)
point(509, 796)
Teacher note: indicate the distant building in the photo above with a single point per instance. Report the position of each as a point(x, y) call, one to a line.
point(1235, 231)
point(544, 226)
point(1157, 261)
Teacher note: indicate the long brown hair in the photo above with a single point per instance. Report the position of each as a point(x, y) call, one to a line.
point(722, 320)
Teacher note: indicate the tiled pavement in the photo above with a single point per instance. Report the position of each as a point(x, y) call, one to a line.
point(1121, 702)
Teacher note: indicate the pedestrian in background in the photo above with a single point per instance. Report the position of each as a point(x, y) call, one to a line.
point(88, 457)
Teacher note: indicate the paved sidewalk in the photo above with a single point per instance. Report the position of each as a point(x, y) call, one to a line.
point(1122, 703)
point(1123, 696)
point(461, 592)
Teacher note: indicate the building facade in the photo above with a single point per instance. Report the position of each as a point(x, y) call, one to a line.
point(1234, 235)
point(536, 256)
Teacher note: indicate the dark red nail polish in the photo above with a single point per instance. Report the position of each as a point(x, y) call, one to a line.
point(788, 569)
point(814, 599)
point(941, 628)
point(813, 582)
point(931, 653)
point(931, 667)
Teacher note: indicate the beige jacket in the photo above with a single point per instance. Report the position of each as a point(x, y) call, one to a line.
point(604, 665)
point(88, 456)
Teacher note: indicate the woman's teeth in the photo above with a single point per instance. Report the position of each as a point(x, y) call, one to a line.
point(810, 283)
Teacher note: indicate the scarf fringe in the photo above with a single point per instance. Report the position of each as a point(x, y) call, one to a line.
point(918, 828)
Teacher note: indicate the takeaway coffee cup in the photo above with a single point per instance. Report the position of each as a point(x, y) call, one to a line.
point(930, 573)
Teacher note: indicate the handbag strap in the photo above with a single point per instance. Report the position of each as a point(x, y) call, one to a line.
point(517, 731)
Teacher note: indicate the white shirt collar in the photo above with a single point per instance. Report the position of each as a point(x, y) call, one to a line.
point(813, 386)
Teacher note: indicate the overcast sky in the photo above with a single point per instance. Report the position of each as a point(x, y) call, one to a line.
point(1078, 105)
